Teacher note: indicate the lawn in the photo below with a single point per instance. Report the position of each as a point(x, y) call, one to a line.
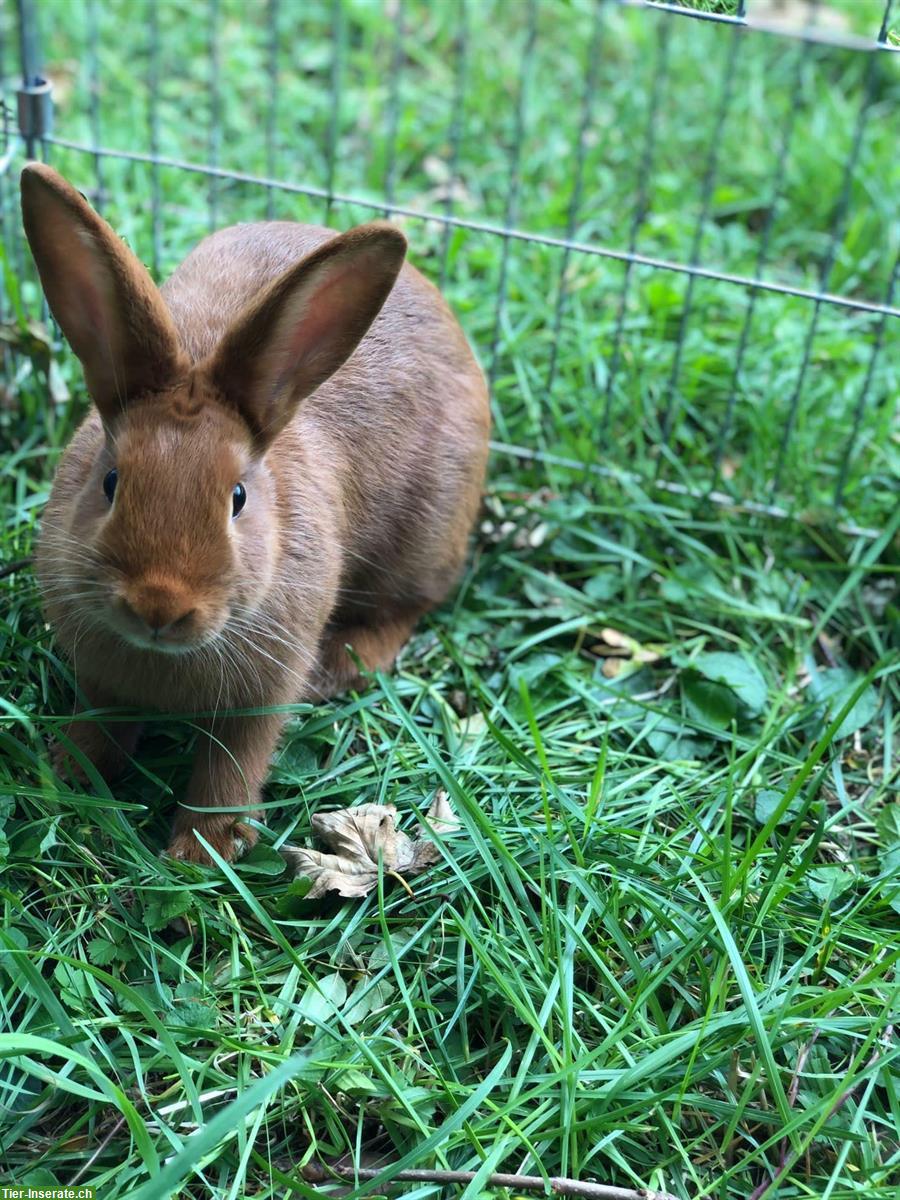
point(661, 951)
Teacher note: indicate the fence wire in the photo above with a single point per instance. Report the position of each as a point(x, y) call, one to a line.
point(595, 364)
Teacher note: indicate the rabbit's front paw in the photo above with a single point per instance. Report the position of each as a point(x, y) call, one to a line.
point(229, 838)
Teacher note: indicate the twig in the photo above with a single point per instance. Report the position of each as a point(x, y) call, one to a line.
point(319, 1173)
point(787, 1164)
point(85, 1167)
point(18, 565)
point(793, 1093)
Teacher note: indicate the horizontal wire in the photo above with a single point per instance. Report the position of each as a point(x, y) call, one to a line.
point(820, 35)
point(521, 235)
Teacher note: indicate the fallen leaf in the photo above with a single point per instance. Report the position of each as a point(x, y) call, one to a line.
point(362, 839)
point(624, 654)
point(517, 517)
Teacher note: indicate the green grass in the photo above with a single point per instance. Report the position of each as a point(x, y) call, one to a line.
point(662, 950)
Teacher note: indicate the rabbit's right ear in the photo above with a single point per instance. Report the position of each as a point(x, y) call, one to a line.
point(104, 300)
point(305, 325)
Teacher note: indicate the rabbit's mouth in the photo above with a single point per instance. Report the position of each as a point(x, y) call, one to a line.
point(162, 644)
point(159, 616)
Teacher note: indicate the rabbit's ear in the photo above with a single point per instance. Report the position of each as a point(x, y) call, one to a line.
point(104, 300)
point(303, 327)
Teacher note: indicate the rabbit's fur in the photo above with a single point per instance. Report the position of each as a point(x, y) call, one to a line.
point(334, 385)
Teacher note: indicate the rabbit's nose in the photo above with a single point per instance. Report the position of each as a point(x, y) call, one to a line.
point(160, 609)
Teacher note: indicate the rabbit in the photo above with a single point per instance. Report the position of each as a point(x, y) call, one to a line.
point(284, 457)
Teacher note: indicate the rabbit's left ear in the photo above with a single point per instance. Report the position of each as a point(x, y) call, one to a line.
point(103, 298)
point(303, 327)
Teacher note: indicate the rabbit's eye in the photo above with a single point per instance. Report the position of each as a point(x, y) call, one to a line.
point(238, 499)
point(109, 484)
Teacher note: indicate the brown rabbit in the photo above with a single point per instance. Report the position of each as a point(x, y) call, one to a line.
point(285, 456)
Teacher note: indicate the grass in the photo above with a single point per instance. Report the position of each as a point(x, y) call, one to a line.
point(662, 949)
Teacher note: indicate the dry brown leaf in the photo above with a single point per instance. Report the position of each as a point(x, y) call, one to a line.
point(517, 516)
point(361, 838)
point(623, 654)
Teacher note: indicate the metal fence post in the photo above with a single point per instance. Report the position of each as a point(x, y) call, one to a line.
point(35, 99)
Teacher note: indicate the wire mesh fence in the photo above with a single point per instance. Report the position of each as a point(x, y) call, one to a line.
point(671, 234)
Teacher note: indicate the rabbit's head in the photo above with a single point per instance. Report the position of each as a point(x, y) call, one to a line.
point(177, 525)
